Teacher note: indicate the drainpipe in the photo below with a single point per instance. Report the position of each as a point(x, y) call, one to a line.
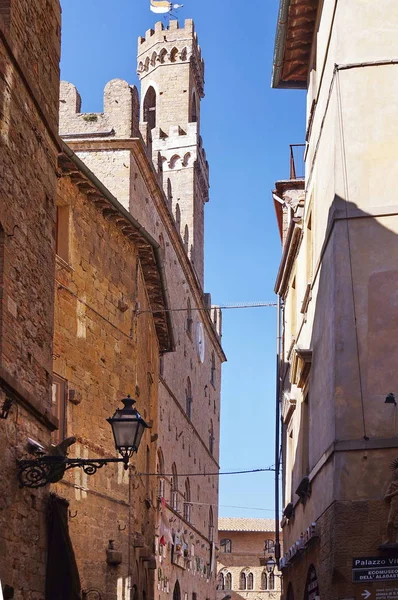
point(277, 432)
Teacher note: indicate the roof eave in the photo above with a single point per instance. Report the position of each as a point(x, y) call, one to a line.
point(286, 21)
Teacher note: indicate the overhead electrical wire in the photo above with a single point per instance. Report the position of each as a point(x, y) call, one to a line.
point(215, 306)
point(204, 474)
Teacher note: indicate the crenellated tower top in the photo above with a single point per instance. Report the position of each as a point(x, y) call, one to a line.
point(171, 72)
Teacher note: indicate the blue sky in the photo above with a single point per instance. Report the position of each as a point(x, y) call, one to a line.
point(247, 128)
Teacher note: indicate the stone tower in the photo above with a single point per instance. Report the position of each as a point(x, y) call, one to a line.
point(171, 71)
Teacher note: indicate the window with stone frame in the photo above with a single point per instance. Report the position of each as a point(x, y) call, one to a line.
point(221, 582)
point(264, 580)
point(269, 546)
point(242, 581)
point(250, 581)
point(187, 501)
point(228, 581)
point(58, 408)
point(272, 581)
point(174, 488)
point(226, 545)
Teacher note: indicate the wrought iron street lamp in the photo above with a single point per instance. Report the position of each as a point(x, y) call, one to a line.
point(270, 565)
point(128, 427)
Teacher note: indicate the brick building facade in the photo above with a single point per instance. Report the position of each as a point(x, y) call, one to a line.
point(245, 545)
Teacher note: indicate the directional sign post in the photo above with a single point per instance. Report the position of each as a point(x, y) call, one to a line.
point(375, 592)
point(374, 569)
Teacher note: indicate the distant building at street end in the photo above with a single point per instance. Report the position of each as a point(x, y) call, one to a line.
point(337, 283)
point(245, 547)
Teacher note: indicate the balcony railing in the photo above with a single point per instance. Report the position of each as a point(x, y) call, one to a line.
point(297, 170)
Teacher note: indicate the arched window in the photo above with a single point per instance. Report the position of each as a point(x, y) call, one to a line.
point(242, 581)
point(178, 217)
point(250, 581)
point(153, 59)
point(213, 370)
point(174, 488)
point(173, 55)
point(162, 55)
point(226, 545)
point(188, 399)
point(177, 591)
point(150, 108)
point(228, 581)
point(194, 109)
point(220, 582)
point(183, 54)
point(211, 437)
point(264, 580)
point(272, 581)
point(211, 524)
point(187, 501)
point(189, 318)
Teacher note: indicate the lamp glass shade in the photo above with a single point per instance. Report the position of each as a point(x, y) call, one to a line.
point(128, 427)
point(270, 565)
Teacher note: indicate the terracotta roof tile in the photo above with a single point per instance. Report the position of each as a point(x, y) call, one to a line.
point(241, 524)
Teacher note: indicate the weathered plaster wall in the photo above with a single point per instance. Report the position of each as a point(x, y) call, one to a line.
point(350, 322)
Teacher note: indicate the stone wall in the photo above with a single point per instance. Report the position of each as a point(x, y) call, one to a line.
point(104, 351)
point(29, 64)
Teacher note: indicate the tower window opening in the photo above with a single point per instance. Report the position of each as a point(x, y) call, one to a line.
point(162, 56)
point(173, 55)
point(150, 108)
point(194, 109)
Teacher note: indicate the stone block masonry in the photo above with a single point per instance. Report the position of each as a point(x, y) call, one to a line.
point(29, 67)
